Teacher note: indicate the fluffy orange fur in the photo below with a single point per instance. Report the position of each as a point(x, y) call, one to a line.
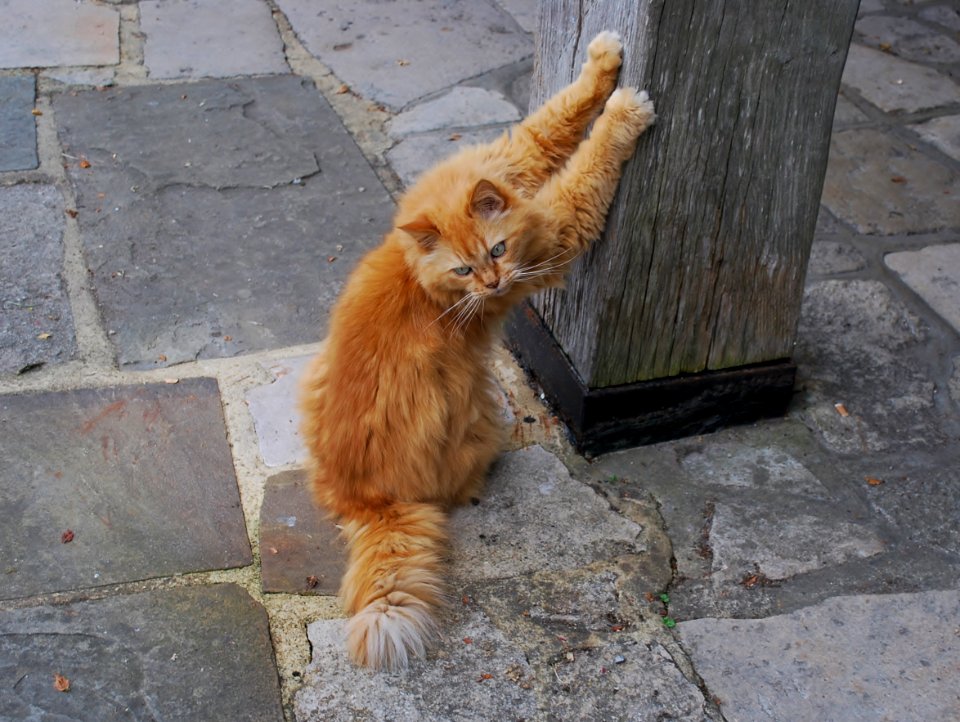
point(400, 415)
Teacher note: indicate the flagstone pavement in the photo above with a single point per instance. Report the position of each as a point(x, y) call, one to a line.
point(184, 185)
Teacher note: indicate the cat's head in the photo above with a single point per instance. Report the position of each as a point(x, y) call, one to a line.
point(474, 239)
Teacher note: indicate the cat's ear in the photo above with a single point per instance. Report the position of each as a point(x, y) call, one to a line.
point(487, 201)
point(423, 231)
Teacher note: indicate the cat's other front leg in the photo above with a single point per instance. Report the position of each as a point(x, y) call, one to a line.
point(543, 142)
point(580, 195)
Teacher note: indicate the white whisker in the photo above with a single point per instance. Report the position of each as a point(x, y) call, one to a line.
point(462, 300)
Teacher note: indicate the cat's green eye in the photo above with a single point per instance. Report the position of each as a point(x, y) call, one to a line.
point(498, 250)
point(462, 270)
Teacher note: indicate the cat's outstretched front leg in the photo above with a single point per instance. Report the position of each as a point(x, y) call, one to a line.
point(543, 142)
point(580, 195)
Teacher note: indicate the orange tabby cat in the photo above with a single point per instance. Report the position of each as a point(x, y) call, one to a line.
point(400, 417)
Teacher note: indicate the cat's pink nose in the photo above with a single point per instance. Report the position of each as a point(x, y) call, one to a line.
point(494, 283)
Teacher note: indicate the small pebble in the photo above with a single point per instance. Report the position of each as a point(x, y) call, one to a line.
point(619, 659)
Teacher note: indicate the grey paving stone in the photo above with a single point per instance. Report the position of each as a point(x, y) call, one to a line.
point(197, 38)
point(921, 500)
point(857, 345)
point(334, 689)
point(18, 131)
point(908, 39)
point(896, 85)
point(523, 11)
point(880, 185)
point(231, 213)
point(943, 132)
point(395, 53)
point(180, 654)
point(275, 414)
point(461, 107)
point(480, 671)
point(58, 32)
point(850, 658)
point(828, 257)
point(526, 521)
point(945, 15)
point(36, 323)
point(732, 464)
point(300, 548)
point(846, 113)
point(96, 77)
point(934, 273)
point(954, 382)
point(750, 538)
point(413, 155)
point(142, 476)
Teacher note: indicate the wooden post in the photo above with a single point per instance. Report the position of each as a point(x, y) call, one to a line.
point(682, 318)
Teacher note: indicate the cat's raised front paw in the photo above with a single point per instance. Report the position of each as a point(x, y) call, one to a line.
point(633, 106)
point(605, 50)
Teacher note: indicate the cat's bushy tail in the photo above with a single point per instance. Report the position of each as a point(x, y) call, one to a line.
point(392, 587)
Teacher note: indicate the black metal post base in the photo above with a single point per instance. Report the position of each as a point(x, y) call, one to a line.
point(646, 412)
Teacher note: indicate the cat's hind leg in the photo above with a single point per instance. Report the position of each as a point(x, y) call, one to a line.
point(544, 141)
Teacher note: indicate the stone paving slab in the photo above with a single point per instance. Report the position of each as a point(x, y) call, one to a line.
point(860, 346)
point(36, 322)
point(944, 133)
point(895, 85)
point(276, 417)
point(934, 273)
point(397, 52)
point(301, 551)
point(461, 107)
point(881, 185)
point(413, 155)
point(18, 130)
point(850, 658)
point(945, 15)
point(524, 520)
point(541, 622)
point(523, 11)
point(217, 217)
point(141, 475)
point(758, 547)
point(197, 38)
point(480, 672)
point(180, 654)
point(909, 39)
point(830, 257)
point(57, 32)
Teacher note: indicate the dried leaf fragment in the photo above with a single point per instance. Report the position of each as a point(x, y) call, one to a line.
point(898, 179)
point(403, 63)
point(44, 336)
point(312, 582)
point(842, 410)
point(484, 676)
point(36, 111)
point(455, 136)
point(873, 481)
point(72, 213)
point(84, 163)
point(66, 537)
point(61, 683)
point(344, 88)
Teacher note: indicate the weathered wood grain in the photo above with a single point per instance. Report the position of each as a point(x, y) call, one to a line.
point(704, 257)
